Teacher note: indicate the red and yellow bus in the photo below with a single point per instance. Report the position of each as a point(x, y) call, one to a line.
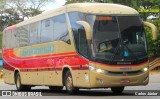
point(82, 45)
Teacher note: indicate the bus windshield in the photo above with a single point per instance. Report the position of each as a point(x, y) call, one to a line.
point(118, 38)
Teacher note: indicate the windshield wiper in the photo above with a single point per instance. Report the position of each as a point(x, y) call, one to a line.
point(121, 46)
point(130, 51)
point(115, 52)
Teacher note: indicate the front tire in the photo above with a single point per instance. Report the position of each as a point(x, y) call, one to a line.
point(69, 84)
point(117, 90)
point(19, 85)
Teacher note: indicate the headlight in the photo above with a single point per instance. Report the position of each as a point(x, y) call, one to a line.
point(97, 70)
point(145, 69)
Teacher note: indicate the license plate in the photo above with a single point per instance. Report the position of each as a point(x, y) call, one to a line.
point(125, 80)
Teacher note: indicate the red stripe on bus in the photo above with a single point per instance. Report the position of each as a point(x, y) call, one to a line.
point(80, 68)
point(7, 66)
point(58, 60)
point(40, 69)
point(10, 68)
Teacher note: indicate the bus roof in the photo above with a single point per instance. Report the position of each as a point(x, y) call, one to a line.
point(101, 8)
point(92, 8)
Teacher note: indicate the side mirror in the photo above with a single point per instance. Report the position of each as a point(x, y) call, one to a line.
point(87, 29)
point(154, 29)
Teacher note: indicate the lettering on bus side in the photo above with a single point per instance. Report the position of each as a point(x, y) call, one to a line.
point(37, 51)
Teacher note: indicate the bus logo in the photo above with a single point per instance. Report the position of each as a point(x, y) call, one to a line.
point(38, 51)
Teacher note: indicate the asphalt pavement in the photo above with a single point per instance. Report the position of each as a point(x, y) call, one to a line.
point(132, 92)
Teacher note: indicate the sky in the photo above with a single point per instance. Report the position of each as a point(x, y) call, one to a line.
point(54, 5)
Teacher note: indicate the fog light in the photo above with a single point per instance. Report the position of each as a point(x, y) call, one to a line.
point(145, 69)
point(99, 80)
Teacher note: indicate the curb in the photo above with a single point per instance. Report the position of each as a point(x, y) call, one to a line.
point(154, 72)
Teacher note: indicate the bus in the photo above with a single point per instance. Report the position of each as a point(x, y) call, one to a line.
point(81, 45)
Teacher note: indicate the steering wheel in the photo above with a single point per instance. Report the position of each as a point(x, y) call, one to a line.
point(105, 49)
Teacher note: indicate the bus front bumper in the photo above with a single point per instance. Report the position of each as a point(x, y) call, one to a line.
point(100, 80)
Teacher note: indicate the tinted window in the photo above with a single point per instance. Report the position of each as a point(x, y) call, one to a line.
point(15, 40)
point(7, 39)
point(10, 40)
point(60, 28)
point(33, 33)
point(118, 39)
point(4, 39)
point(105, 34)
point(79, 33)
point(47, 28)
point(52, 29)
point(23, 35)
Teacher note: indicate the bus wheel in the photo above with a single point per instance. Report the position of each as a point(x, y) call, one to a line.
point(69, 84)
point(19, 86)
point(55, 87)
point(117, 90)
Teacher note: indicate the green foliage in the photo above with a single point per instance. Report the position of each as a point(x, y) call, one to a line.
point(9, 18)
point(0, 45)
point(153, 46)
point(76, 1)
point(15, 11)
point(1, 67)
point(0, 40)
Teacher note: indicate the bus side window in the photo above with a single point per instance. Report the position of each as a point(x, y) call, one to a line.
point(13, 39)
point(20, 36)
point(60, 29)
point(8, 38)
point(4, 39)
point(79, 33)
point(33, 33)
point(82, 44)
point(47, 28)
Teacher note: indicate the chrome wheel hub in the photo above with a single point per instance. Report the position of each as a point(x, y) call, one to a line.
point(69, 83)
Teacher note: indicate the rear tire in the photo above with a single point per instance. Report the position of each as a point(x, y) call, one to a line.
point(117, 90)
point(19, 85)
point(69, 84)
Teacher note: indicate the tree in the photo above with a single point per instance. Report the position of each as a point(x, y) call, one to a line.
point(153, 46)
point(76, 1)
point(15, 11)
point(145, 7)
